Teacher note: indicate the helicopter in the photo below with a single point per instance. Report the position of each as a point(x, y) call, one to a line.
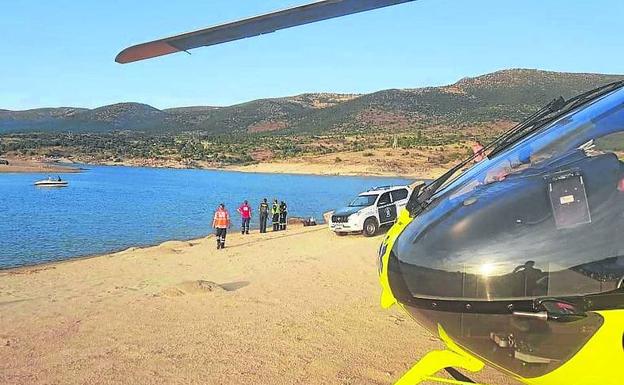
point(514, 258)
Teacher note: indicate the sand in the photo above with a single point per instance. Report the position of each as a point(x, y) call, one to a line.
point(294, 307)
point(423, 163)
point(413, 164)
point(33, 166)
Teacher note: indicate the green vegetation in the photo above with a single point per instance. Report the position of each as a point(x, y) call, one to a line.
point(193, 149)
point(309, 124)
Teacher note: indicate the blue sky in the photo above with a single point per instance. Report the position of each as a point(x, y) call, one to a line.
point(61, 53)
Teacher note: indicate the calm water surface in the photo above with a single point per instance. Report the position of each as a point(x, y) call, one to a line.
point(111, 208)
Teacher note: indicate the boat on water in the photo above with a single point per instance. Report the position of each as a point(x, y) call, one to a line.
point(52, 183)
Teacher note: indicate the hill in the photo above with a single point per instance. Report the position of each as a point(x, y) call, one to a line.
point(120, 116)
point(506, 95)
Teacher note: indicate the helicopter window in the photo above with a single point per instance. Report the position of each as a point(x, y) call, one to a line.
point(538, 219)
point(603, 118)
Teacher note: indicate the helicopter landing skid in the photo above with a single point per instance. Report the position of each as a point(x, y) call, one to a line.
point(433, 362)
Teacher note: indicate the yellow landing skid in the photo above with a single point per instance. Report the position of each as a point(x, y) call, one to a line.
point(435, 361)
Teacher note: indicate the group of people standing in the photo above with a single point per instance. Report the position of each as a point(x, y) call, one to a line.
point(279, 212)
point(221, 221)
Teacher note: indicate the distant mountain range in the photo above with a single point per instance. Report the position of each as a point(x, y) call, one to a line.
point(504, 95)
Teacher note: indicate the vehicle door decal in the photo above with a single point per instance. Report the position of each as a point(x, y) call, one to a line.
point(387, 213)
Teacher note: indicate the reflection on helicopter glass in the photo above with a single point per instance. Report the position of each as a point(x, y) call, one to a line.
point(540, 219)
point(599, 122)
point(527, 347)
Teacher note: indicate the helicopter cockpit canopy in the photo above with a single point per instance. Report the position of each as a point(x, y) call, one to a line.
point(529, 235)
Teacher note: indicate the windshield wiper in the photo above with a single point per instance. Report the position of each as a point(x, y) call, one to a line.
point(422, 195)
point(419, 199)
point(552, 111)
point(531, 124)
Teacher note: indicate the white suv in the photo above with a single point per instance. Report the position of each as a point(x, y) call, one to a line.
point(370, 210)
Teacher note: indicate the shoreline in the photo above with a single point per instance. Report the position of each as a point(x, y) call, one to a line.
point(279, 168)
point(300, 306)
point(33, 166)
point(284, 168)
point(380, 162)
point(135, 247)
point(97, 255)
point(276, 168)
point(19, 259)
point(112, 253)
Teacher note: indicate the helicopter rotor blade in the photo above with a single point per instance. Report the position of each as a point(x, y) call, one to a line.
point(254, 26)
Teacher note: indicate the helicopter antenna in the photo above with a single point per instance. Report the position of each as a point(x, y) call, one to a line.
point(253, 26)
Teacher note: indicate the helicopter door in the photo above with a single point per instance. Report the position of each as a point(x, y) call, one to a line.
point(386, 209)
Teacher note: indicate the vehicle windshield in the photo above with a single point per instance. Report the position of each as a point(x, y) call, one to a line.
point(363, 201)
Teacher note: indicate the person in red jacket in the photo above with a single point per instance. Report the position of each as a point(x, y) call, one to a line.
point(220, 223)
point(245, 212)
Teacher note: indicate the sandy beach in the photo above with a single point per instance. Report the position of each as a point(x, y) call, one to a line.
point(351, 167)
point(384, 162)
point(413, 163)
point(294, 307)
point(18, 165)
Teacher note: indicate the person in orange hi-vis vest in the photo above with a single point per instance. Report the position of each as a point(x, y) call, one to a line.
point(221, 223)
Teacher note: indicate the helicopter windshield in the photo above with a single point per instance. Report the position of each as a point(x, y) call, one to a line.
point(595, 121)
point(507, 211)
point(539, 224)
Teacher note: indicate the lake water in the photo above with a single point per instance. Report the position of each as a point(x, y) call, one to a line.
point(105, 209)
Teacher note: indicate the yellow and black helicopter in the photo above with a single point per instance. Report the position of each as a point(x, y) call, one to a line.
point(514, 257)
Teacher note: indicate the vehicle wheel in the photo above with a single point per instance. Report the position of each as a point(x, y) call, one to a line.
point(370, 227)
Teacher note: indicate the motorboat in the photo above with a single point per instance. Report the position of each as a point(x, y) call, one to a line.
point(51, 183)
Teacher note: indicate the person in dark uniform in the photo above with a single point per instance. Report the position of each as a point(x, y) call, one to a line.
point(283, 215)
point(264, 215)
point(275, 211)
